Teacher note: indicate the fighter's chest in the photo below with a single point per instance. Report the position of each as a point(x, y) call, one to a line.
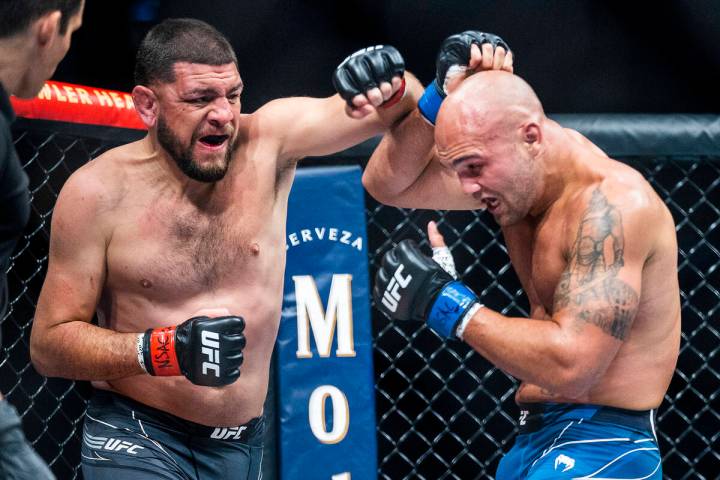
point(171, 247)
point(539, 256)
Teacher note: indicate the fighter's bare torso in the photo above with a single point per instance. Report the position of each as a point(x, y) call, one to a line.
point(170, 256)
point(544, 250)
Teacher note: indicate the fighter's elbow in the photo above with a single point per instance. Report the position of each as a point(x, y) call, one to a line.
point(572, 375)
point(38, 361)
point(40, 355)
point(378, 191)
point(572, 383)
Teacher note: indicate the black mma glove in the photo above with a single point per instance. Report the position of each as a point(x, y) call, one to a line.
point(208, 351)
point(454, 52)
point(367, 69)
point(411, 286)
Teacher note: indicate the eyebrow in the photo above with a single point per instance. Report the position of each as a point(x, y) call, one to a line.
point(210, 90)
point(458, 161)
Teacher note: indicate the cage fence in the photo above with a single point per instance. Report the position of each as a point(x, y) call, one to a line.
point(443, 412)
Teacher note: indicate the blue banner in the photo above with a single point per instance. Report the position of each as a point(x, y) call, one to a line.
point(326, 403)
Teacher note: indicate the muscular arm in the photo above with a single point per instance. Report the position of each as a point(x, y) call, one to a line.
point(321, 126)
point(63, 342)
point(404, 170)
point(595, 304)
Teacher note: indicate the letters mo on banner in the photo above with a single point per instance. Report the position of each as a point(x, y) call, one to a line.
point(325, 374)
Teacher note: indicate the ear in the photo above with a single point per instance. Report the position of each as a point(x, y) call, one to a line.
point(47, 28)
point(532, 136)
point(146, 104)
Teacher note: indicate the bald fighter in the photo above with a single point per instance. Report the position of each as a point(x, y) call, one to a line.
point(177, 242)
point(594, 248)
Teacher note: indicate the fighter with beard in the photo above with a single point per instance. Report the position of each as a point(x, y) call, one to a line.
point(177, 242)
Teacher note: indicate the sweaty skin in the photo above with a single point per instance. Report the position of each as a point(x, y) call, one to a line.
point(592, 243)
point(138, 241)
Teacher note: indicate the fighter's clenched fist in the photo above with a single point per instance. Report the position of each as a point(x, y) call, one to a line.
point(411, 286)
point(370, 78)
point(208, 351)
point(460, 55)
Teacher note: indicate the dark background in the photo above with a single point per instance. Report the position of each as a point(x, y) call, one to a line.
point(580, 55)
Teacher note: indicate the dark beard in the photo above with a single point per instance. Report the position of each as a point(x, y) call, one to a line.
point(184, 159)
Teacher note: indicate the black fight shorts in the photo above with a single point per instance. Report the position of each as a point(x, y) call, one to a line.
point(18, 460)
point(124, 439)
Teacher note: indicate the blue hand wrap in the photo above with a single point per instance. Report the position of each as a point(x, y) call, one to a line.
point(450, 305)
point(430, 102)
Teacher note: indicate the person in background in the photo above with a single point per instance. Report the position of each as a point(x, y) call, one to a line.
point(34, 37)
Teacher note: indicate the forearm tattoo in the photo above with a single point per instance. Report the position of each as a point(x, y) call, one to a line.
point(590, 286)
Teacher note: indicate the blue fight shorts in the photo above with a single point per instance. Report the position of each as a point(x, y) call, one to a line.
point(562, 441)
point(126, 440)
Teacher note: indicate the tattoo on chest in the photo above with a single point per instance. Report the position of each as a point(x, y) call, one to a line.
point(590, 286)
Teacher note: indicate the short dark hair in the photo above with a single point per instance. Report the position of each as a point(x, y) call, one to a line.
point(179, 40)
point(17, 15)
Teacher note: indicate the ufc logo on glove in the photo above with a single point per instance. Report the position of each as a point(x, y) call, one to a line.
point(391, 296)
point(211, 348)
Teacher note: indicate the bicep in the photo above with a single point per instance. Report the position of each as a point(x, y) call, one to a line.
point(437, 188)
point(596, 317)
point(598, 295)
point(315, 126)
point(607, 304)
point(76, 261)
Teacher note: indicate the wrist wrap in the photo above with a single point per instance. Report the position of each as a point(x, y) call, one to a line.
point(460, 330)
point(159, 353)
point(139, 348)
point(449, 308)
point(396, 97)
point(430, 102)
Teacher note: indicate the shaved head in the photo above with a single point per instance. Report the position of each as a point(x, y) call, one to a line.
point(489, 131)
point(492, 100)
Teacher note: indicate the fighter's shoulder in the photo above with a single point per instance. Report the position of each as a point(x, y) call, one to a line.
point(98, 184)
point(288, 110)
point(628, 190)
point(628, 201)
point(281, 110)
point(286, 105)
point(270, 124)
point(265, 123)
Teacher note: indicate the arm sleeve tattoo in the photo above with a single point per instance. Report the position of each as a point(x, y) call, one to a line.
point(590, 286)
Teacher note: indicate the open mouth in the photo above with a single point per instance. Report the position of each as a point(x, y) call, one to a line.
point(213, 141)
point(491, 203)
